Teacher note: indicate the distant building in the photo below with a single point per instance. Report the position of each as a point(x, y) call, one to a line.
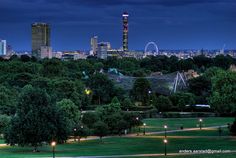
point(46, 52)
point(102, 50)
point(10, 52)
point(3, 47)
point(232, 68)
point(94, 45)
point(125, 31)
point(40, 37)
point(57, 55)
point(114, 53)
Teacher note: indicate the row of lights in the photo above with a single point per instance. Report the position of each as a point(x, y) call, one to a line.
point(165, 127)
point(166, 141)
point(53, 144)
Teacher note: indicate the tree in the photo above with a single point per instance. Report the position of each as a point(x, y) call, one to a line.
point(121, 125)
point(223, 61)
point(107, 110)
point(36, 120)
point(25, 58)
point(182, 99)
point(102, 88)
point(70, 111)
point(186, 64)
point(8, 100)
point(98, 66)
point(126, 104)
point(132, 119)
point(89, 118)
point(201, 87)
point(65, 89)
point(140, 91)
point(21, 79)
point(52, 68)
point(4, 123)
point(100, 129)
point(162, 103)
point(223, 98)
point(202, 61)
point(82, 131)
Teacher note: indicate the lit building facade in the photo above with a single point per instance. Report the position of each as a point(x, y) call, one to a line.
point(3, 47)
point(125, 31)
point(46, 52)
point(40, 37)
point(94, 45)
point(102, 50)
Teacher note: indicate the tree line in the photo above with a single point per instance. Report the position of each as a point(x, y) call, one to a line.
point(42, 100)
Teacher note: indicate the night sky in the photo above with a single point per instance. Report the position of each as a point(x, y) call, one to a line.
point(172, 24)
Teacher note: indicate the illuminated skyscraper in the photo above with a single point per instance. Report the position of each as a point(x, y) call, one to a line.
point(40, 37)
point(94, 45)
point(125, 31)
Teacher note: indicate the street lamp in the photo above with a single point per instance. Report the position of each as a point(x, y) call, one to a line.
point(144, 129)
point(53, 144)
point(137, 119)
point(200, 125)
point(165, 142)
point(75, 134)
point(165, 127)
point(87, 91)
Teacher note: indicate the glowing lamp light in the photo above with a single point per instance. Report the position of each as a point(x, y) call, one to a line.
point(165, 126)
point(53, 144)
point(88, 91)
point(165, 141)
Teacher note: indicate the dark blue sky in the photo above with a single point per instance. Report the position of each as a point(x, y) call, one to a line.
point(172, 24)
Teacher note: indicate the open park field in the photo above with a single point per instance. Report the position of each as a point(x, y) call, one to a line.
point(204, 139)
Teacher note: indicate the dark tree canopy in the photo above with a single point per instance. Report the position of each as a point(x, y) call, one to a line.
point(36, 120)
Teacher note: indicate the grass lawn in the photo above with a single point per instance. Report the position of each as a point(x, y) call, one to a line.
point(175, 123)
point(116, 146)
point(200, 156)
point(1, 141)
point(142, 144)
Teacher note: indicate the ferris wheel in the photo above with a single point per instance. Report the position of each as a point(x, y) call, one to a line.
point(153, 53)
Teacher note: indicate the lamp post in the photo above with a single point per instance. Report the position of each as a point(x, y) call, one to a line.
point(75, 134)
point(165, 142)
point(144, 128)
point(137, 119)
point(165, 127)
point(53, 144)
point(200, 123)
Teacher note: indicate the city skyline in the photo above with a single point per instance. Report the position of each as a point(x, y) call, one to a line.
point(178, 24)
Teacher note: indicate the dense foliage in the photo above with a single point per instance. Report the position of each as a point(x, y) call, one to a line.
point(53, 93)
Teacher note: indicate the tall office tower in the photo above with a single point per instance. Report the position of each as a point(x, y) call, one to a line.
point(102, 50)
point(40, 37)
point(3, 47)
point(94, 45)
point(125, 31)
